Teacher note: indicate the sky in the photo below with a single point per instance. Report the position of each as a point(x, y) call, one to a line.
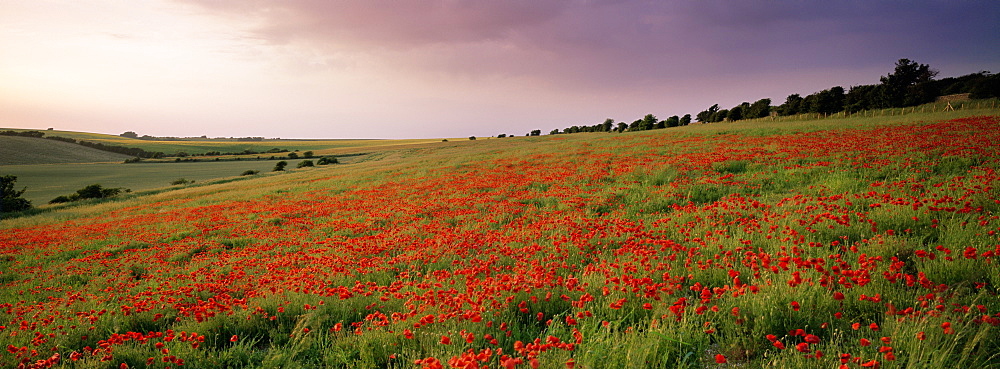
point(450, 68)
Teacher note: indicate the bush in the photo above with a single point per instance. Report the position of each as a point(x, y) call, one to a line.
point(279, 166)
point(94, 191)
point(60, 199)
point(293, 155)
point(307, 154)
point(181, 181)
point(133, 160)
point(10, 199)
point(472, 138)
point(250, 172)
point(327, 160)
point(305, 163)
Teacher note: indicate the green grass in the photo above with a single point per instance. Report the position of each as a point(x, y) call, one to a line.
point(28, 150)
point(45, 182)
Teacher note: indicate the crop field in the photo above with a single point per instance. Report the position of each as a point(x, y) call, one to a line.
point(852, 243)
point(38, 179)
point(27, 150)
point(200, 146)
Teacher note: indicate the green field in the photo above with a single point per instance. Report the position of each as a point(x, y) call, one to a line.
point(45, 182)
point(195, 146)
point(27, 150)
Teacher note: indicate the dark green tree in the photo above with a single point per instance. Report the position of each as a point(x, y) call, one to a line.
point(759, 109)
point(279, 166)
point(10, 198)
point(792, 105)
point(708, 115)
point(96, 191)
point(685, 120)
point(608, 125)
point(673, 121)
point(735, 114)
point(906, 84)
point(305, 163)
point(986, 87)
point(647, 122)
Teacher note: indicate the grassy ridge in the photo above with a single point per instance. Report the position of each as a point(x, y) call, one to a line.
point(768, 245)
point(199, 146)
point(28, 150)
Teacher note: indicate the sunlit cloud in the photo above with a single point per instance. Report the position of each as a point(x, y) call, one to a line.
point(433, 68)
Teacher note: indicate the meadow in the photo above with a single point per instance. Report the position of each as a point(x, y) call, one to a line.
point(862, 242)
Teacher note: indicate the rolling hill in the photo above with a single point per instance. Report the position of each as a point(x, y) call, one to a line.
point(28, 150)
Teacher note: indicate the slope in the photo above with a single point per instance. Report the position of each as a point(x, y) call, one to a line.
point(28, 150)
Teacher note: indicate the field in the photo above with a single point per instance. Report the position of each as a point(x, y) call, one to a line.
point(840, 243)
point(199, 146)
point(27, 150)
point(137, 177)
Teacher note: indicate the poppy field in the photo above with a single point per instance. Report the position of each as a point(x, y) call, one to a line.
point(861, 246)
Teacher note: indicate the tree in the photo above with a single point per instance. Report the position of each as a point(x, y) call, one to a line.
point(608, 124)
point(10, 199)
point(293, 155)
point(759, 109)
point(327, 160)
point(305, 163)
point(622, 127)
point(648, 122)
point(706, 116)
point(792, 105)
point(987, 87)
point(96, 191)
point(279, 166)
point(735, 114)
point(674, 121)
point(130, 134)
point(826, 101)
point(536, 132)
point(685, 120)
point(307, 154)
point(900, 87)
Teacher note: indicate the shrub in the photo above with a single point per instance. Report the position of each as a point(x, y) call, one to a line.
point(293, 155)
point(250, 172)
point(305, 163)
point(10, 199)
point(279, 166)
point(472, 138)
point(94, 191)
point(133, 160)
point(60, 199)
point(327, 160)
point(181, 181)
point(307, 154)
point(444, 140)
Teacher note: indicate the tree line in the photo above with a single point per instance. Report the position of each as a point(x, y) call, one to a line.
point(909, 84)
